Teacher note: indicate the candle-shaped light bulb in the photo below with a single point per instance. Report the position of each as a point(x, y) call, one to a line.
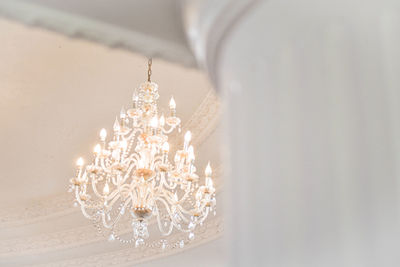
point(124, 144)
point(103, 134)
point(190, 154)
point(177, 158)
point(122, 114)
point(165, 147)
point(135, 96)
point(79, 162)
point(97, 149)
point(116, 126)
point(106, 189)
point(187, 138)
point(154, 122)
point(172, 104)
point(162, 120)
point(208, 170)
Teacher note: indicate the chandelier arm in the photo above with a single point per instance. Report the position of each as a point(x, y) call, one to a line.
point(133, 132)
point(113, 198)
point(94, 187)
point(84, 212)
point(169, 215)
point(158, 158)
point(185, 211)
point(105, 224)
point(205, 215)
point(182, 215)
point(114, 180)
point(82, 204)
point(166, 184)
point(170, 130)
point(134, 195)
point(103, 164)
point(133, 157)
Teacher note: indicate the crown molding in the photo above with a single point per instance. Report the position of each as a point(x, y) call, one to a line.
point(211, 230)
point(77, 26)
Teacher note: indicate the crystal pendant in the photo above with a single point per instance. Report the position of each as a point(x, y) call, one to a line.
point(163, 244)
point(191, 225)
point(111, 238)
point(140, 229)
point(191, 236)
point(139, 242)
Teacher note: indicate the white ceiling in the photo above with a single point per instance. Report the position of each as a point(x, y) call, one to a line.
point(151, 27)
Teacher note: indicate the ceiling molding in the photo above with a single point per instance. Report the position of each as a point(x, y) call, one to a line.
point(81, 27)
point(210, 230)
point(209, 24)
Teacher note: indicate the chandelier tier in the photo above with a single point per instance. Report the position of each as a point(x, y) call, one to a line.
point(133, 179)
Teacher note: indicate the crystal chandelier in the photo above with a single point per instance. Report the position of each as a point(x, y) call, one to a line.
point(132, 179)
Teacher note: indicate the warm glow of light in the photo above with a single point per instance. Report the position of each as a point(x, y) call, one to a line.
point(116, 126)
point(136, 167)
point(172, 104)
point(122, 113)
point(124, 144)
point(188, 136)
point(162, 120)
point(106, 189)
point(135, 96)
point(103, 134)
point(165, 147)
point(208, 170)
point(79, 162)
point(97, 149)
point(154, 122)
point(191, 154)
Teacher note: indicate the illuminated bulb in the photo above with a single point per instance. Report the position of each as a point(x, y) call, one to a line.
point(172, 104)
point(116, 126)
point(154, 122)
point(188, 136)
point(97, 149)
point(79, 162)
point(162, 120)
point(190, 154)
point(209, 182)
point(177, 158)
point(208, 170)
point(106, 189)
point(165, 147)
point(103, 134)
point(135, 96)
point(122, 113)
point(124, 144)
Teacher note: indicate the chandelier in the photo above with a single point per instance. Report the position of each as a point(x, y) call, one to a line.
point(133, 181)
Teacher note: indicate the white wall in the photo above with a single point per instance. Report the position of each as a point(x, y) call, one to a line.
point(313, 94)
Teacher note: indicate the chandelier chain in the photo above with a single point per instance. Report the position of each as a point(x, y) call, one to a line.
point(150, 62)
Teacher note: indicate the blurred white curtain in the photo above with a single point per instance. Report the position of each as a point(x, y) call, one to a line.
point(312, 92)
